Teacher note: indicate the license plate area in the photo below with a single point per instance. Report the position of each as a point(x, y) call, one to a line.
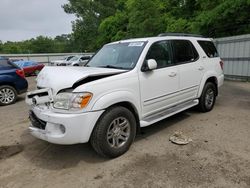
point(41, 96)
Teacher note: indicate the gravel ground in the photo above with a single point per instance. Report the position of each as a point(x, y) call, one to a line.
point(218, 156)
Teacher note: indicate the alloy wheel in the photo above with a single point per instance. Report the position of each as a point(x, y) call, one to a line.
point(118, 132)
point(7, 95)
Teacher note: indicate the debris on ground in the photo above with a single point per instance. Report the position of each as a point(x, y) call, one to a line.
point(8, 151)
point(179, 138)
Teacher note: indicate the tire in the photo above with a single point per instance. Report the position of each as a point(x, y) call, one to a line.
point(8, 95)
point(208, 97)
point(76, 65)
point(114, 132)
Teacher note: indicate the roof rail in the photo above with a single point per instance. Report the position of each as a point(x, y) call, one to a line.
point(179, 34)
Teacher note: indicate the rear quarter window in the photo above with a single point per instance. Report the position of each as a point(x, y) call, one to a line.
point(209, 48)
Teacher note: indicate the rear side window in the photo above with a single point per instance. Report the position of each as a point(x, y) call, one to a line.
point(184, 51)
point(209, 48)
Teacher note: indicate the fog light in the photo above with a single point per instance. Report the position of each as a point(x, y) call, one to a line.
point(62, 129)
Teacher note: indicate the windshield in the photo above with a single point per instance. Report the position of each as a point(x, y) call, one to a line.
point(75, 58)
point(119, 55)
point(67, 58)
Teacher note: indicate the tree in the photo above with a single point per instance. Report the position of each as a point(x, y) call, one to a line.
point(90, 14)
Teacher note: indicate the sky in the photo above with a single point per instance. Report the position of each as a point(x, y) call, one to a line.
point(26, 19)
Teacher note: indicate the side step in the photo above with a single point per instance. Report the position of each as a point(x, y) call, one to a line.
point(167, 113)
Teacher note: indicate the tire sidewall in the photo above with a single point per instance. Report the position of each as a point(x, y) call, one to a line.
point(104, 123)
point(203, 106)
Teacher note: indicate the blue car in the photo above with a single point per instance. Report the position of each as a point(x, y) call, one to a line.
point(12, 82)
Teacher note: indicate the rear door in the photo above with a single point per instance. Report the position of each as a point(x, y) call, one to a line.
point(159, 88)
point(191, 69)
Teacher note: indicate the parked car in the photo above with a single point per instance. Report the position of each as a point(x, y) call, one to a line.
point(79, 60)
point(60, 61)
point(127, 85)
point(30, 67)
point(14, 60)
point(12, 82)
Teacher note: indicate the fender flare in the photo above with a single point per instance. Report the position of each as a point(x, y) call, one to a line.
point(115, 97)
point(207, 75)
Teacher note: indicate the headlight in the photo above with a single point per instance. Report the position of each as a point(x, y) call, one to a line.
point(72, 101)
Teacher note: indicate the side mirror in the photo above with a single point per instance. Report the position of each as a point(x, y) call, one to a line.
point(152, 64)
point(149, 65)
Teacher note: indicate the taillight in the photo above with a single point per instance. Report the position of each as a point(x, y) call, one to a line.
point(221, 64)
point(20, 73)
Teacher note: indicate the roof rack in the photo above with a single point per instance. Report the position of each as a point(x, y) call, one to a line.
point(179, 34)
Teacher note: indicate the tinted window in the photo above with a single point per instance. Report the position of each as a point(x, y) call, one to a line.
point(85, 58)
point(161, 53)
point(68, 58)
point(209, 48)
point(184, 51)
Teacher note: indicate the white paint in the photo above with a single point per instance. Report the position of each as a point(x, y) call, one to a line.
point(148, 92)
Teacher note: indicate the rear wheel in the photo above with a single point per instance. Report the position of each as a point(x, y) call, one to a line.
point(8, 95)
point(208, 97)
point(114, 132)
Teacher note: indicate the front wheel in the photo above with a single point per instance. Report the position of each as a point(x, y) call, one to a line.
point(114, 132)
point(8, 95)
point(208, 97)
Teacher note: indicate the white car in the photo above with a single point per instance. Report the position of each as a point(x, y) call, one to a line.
point(61, 61)
point(81, 60)
point(127, 85)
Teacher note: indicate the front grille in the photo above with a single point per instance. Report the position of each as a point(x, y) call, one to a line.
point(42, 94)
point(36, 122)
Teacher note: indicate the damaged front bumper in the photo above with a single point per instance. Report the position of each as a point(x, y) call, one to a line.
point(61, 128)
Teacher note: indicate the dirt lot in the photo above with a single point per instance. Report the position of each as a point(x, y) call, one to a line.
point(218, 156)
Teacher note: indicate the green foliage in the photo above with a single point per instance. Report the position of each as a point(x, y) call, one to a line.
point(102, 21)
point(59, 44)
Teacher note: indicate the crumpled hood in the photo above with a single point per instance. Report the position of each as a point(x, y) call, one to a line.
point(58, 78)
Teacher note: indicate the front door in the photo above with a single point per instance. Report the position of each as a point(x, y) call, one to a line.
point(159, 87)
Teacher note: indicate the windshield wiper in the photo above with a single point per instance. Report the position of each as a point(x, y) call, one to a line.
point(112, 67)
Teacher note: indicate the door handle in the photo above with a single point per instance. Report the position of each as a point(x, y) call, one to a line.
point(201, 68)
point(172, 74)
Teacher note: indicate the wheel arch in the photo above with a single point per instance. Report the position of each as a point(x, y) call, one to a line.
point(8, 84)
point(132, 109)
point(213, 80)
point(120, 98)
point(208, 78)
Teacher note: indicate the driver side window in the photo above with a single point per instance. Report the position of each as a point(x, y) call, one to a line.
point(161, 53)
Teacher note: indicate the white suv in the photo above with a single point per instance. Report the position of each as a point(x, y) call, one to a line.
point(127, 85)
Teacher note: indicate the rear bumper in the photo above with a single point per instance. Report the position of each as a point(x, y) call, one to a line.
point(220, 80)
point(64, 128)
